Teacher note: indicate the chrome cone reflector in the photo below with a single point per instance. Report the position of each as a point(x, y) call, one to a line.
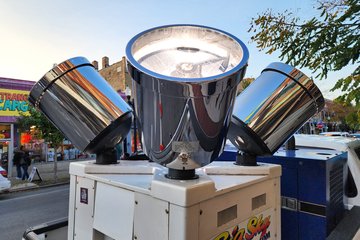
point(184, 80)
point(81, 104)
point(272, 108)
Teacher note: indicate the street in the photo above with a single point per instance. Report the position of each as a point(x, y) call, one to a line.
point(21, 210)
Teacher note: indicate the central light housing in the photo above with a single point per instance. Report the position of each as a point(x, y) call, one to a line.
point(184, 85)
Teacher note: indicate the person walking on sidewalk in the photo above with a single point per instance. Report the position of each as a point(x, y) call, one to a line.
point(25, 163)
point(18, 154)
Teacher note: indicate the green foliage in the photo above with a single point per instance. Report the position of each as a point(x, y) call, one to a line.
point(350, 87)
point(352, 120)
point(246, 82)
point(325, 43)
point(44, 129)
point(345, 113)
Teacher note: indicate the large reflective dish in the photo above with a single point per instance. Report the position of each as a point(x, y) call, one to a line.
point(184, 80)
point(273, 108)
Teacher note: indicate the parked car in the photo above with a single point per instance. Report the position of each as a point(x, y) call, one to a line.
point(355, 135)
point(5, 184)
point(335, 134)
point(4, 161)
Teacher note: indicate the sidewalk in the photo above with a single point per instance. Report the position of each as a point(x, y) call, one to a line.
point(22, 185)
point(46, 171)
point(18, 185)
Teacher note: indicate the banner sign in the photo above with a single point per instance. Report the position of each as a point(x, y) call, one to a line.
point(13, 101)
point(260, 227)
point(32, 174)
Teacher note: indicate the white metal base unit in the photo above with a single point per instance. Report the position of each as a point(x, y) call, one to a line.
point(134, 200)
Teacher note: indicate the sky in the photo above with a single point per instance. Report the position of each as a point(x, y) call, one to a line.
point(35, 34)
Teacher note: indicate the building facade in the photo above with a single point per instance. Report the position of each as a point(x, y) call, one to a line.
point(115, 74)
point(13, 102)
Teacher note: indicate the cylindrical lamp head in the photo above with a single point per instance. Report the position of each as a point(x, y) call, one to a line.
point(272, 108)
point(82, 105)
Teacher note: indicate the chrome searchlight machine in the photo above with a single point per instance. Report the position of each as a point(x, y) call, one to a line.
point(184, 79)
point(184, 85)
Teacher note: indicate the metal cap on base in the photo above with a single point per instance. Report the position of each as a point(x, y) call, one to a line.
point(181, 174)
point(245, 159)
point(290, 144)
point(107, 156)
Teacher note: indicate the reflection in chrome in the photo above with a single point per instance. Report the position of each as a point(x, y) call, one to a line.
point(82, 105)
point(184, 81)
point(272, 108)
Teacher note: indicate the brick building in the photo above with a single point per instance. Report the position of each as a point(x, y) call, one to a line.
point(116, 74)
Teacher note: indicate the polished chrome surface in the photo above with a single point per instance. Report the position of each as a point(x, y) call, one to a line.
point(186, 51)
point(184, 101)
point(81, 104)
point(273, 108)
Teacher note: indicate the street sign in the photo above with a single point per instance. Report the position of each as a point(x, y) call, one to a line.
point(32, 174)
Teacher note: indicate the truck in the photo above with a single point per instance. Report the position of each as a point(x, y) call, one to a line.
point(311, 150)
point(319, 186)
point(185, 79)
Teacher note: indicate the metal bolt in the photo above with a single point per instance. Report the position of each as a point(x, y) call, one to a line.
point(184, 156)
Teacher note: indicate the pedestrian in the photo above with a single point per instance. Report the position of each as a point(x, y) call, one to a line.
point(25, 163)
point(18, 154)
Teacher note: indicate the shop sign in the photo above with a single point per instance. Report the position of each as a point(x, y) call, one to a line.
point(12, 102)
point(24, 138)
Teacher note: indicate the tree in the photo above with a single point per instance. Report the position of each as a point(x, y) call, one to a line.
point(44, 129)
point(352, 120)
point(244, 84)
point(323, 44)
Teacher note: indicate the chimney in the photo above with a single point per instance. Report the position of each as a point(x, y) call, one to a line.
point(96, 65)
point(105, 62)
point(123, 72)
